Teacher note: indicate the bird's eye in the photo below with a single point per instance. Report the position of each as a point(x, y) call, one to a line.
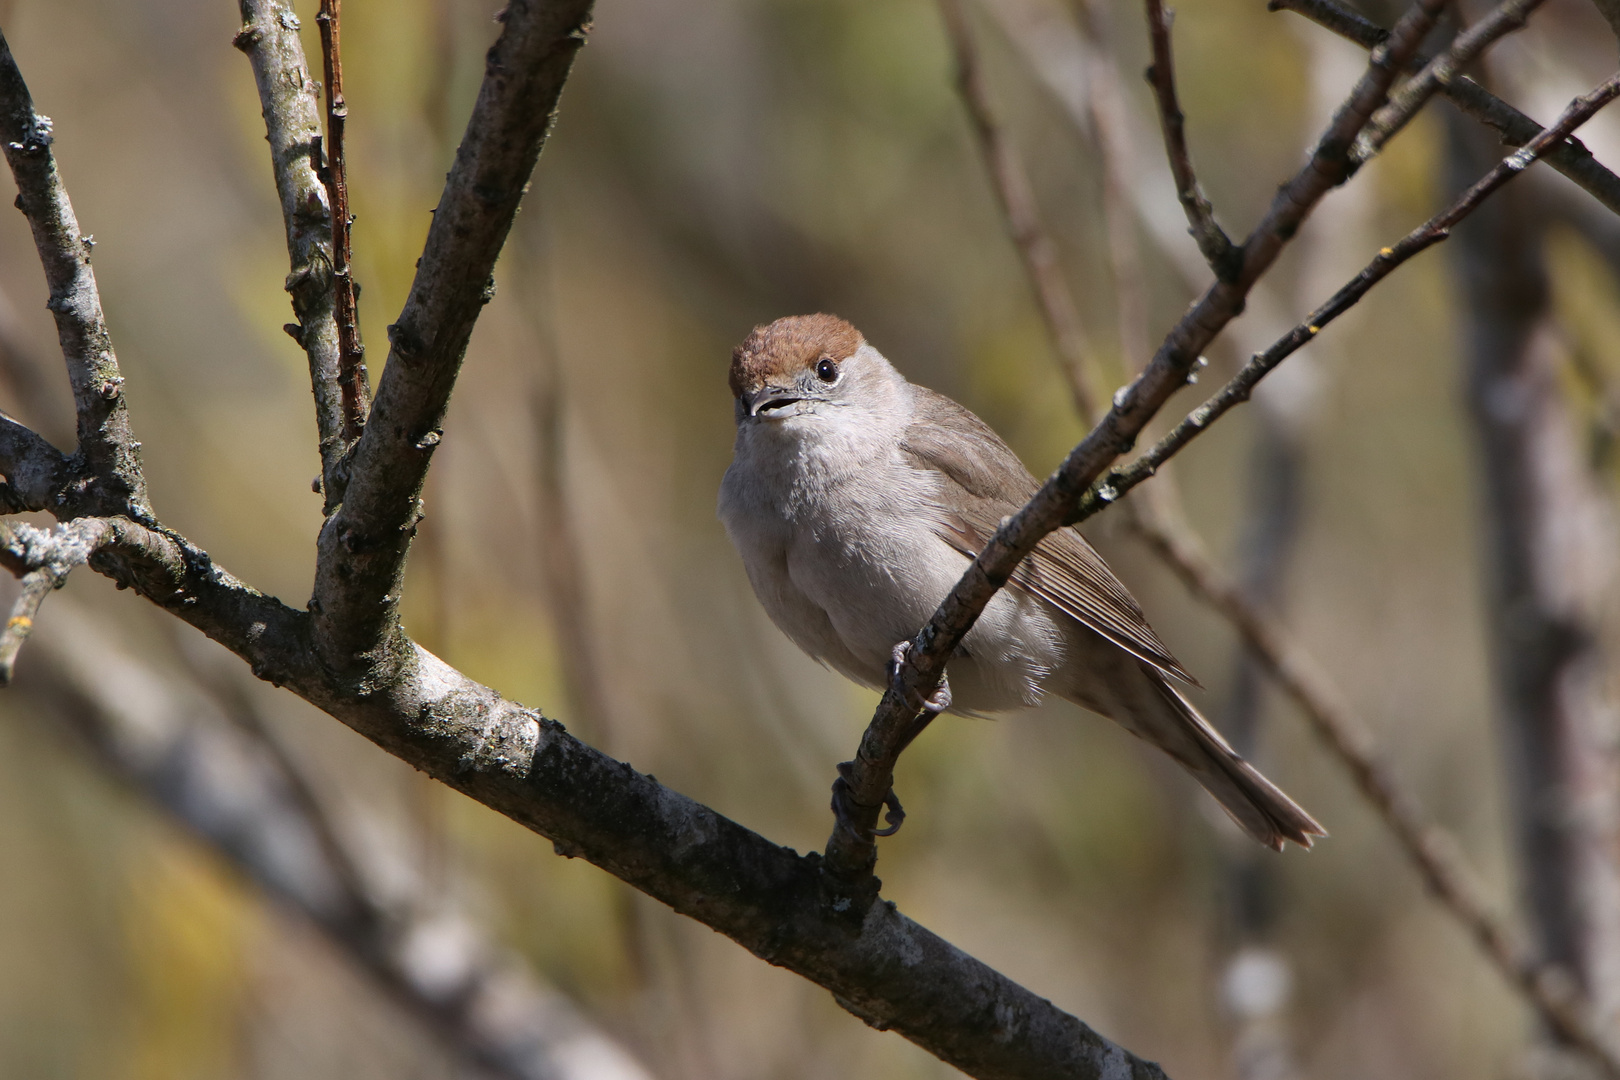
point(826, 371)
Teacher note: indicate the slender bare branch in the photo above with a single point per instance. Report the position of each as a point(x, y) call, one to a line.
point(1432, 232)
point(851, 851)
point(353, 386)
point(108, 454)
point(362, 550)
point(1439, 72)
point(1010, 181)
point(1570, 157)
point(1432, 850)
point(1213, 243)
point(269, 37)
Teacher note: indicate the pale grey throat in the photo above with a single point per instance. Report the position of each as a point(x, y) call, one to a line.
point(856, 500)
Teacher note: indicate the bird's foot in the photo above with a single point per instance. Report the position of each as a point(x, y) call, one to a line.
point(935, 703)
point(843, 806)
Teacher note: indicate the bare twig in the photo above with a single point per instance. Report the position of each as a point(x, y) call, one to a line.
point(1431, 850)
point(352, 382)
point(1570, 157)
point(1217, 248)
point(1010, 181)
point(1438, 73)
point(269, 37)
point(1434, 231)
point(108, 451)
point(851, 852)
point(360, 567)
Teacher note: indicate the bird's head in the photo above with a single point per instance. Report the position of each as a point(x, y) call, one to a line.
point(807, 366)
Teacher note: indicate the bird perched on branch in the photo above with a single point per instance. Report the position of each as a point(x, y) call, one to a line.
point(857, 499)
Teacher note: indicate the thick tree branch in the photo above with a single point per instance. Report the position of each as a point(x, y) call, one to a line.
point(1438, 73)
point(1434, 231)
point(851, 853)
point(1570, 157)
point(1217, 248)
point(353, 386)
point(269, 37)
point(108, 454)
point(35, 471)
point(362, 549)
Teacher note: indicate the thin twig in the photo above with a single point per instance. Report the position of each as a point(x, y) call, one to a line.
point(1216, 247)
point(1434, 231)
point(352, 381)
point(1016, 196)
point(1438, 73)
point(851, 852)
point(1430, 848)
point(1570, 157)
point(111, 454)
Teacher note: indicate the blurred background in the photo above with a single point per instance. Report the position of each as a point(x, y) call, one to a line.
point(717, 164)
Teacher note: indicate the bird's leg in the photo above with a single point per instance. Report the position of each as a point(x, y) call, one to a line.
point(932, 706)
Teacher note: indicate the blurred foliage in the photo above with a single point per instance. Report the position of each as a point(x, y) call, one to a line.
point(719, 163)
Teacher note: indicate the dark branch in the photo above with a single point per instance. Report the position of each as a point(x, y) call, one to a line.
point(1440, 72)
point(1213, 243)
point(108, 453)
point(851, 853)
point(353, 385)
point(362, 550)
point(1570, 157)
point(1434, 231)
point(269, 37)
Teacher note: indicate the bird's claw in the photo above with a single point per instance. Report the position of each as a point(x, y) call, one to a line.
point(935, 703)
point(844, 813)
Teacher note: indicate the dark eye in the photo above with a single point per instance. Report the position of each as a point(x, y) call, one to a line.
point(826, 370)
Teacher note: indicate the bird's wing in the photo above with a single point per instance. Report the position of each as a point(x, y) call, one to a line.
point(989, 483)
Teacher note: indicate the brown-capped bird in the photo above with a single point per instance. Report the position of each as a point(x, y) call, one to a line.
point(857, 499)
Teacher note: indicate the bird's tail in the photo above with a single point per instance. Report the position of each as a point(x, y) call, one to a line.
point(1169, 721)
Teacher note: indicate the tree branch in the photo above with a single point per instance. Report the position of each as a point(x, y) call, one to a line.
point(1570, 157)
point(362, 549)
point(108, 454)
point(1434, 231)
point(1440, 72)
point(851, 852)
point(1217, 248)
point(353, 386)
point(269, 37)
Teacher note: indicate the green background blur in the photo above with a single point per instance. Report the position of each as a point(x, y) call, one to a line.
point(719, 163)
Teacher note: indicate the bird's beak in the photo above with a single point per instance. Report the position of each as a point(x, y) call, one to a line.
point(768, 399)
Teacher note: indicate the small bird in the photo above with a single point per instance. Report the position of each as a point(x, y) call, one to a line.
point(857, 499)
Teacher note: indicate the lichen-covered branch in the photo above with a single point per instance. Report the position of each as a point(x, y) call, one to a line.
point(269, 37)
point(362, 549)
point(108, 455)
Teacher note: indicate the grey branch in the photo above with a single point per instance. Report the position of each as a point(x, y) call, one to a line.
point(238, 793)
point(269, 37)
point(851, 853)
point(108, 452)
point(361, 560)
point(1570, 157)
point(1438, 73)
point(1434, 231)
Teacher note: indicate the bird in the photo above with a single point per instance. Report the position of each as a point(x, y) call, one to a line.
point(857, 499)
